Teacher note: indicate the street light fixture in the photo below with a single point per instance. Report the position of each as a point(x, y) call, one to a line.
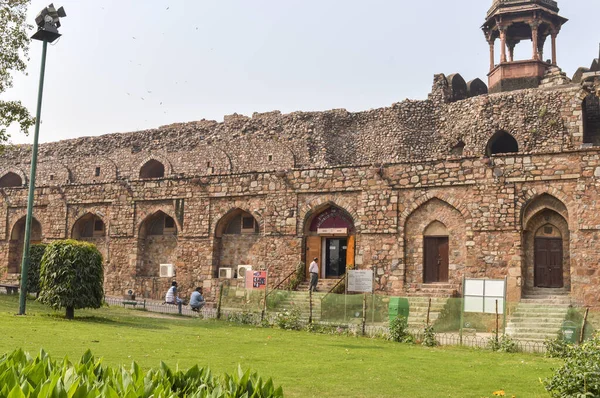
point(48, 22)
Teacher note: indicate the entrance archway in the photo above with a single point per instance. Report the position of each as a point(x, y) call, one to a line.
point(17, 240)
point(330, 237)
point(546, 245)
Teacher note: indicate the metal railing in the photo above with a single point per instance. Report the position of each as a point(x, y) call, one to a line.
point(335, 286)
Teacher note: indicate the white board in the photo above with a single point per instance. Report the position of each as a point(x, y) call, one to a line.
point(481, 295)
point(360, 281)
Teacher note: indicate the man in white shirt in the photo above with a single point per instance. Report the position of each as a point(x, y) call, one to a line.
point(171, 296)
point(313, 269)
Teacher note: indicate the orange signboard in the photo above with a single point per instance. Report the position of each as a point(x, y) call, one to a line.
point(256, 280)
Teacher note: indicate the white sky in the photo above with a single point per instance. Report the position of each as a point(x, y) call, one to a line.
point(210, 58)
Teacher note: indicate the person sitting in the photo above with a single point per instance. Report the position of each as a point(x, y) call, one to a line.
point(171, 296)
point(197, 300)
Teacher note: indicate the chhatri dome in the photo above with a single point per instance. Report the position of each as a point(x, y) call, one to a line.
point(512, 21)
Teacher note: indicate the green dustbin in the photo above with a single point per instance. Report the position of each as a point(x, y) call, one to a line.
point(398, 306)
point(569, 332)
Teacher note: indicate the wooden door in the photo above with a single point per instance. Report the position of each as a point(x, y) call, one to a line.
point(350, 253)
point(313, 249)
point(435, 259)
point(548, 261)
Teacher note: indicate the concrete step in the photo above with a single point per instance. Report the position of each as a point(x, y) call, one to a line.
point(547, 300)
point(545, 292)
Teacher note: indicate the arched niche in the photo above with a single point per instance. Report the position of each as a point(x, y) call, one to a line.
point(11, 180)
point(157, 244)
point(591, 120)
point(476, 87)
point(546, 244)
point(434, 244)
point(458, 149)
point(458, 87)
point(502, 143)
point(237, 242)
point(88, 226)
point(17, 240)
point(152, 169)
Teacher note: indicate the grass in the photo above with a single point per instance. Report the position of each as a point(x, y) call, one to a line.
point(306, 365)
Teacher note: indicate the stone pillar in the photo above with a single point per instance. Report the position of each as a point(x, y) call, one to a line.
point(554, 34)
point(534, 39)
point(502, 43)
point(492, 56)
point(511, 50)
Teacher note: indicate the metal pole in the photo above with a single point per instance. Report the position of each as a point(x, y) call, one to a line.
point(25, 262)
point(462, 311)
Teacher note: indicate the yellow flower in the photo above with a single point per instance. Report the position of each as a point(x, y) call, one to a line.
point(499, 393)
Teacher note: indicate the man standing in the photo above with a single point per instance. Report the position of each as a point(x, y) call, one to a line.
point(314, 275)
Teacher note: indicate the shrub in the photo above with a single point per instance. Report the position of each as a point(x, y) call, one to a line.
point(24, 376)
point(71, 276)
point(429, 337)
point(580, 374)
point(289, 320)
point(243, 318)
point(299, 276)
point(503, 344)
point(557, 348)
point(33, 272)
point(399, 330)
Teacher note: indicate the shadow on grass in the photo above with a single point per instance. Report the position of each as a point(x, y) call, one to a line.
point(110, 322)
point(353, 347)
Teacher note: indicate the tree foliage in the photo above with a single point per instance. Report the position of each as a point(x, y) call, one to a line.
point(36, 253)
point(71, 276)
point(14, 47)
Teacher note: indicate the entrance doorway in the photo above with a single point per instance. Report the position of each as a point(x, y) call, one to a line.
point(436, 261)
point(335, 257)
point(330, 238)
point(548, 260)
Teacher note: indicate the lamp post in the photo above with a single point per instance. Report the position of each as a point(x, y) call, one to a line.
point(48, 22)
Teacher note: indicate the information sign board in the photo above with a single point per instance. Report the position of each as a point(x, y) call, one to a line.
point(360, 281)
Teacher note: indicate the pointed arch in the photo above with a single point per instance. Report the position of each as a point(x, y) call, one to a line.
point(17, 240)
point(449, 200)
point(319, 203)
point(158, 223)
point(232, 223)
point(152, 169)
point(88, 226)
point(436, 228)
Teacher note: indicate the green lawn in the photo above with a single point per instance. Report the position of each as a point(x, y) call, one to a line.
point(306, 365)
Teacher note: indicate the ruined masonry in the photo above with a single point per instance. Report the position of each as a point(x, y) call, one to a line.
point(464, 183)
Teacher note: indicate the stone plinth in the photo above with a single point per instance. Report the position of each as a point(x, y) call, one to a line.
point(516, 75)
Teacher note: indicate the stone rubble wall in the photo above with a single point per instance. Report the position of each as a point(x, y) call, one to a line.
point(390, 169)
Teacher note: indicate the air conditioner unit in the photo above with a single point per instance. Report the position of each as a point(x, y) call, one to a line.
point(167, 271)
point(241, 271)
point(225, 273)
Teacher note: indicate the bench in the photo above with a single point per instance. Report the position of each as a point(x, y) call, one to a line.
point(10, 289)
point(133, 303)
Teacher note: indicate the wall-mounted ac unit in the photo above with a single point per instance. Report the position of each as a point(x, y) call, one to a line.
point(225, 273)
point(167, 271)
point(241, 271)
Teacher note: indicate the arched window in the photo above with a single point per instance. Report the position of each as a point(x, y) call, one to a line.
point(501, 143)
point(152, 169)
point(158, 224)
point(591, 120)
point(240, 222)
point(10, 179)
point(89, 226)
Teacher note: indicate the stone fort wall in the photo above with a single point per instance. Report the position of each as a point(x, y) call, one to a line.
point(394, 170)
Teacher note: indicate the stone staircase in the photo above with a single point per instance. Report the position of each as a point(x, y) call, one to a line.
point(324, 285)
point(433, 290)
point(301, 300)
point(417, 316)
point(539, 315)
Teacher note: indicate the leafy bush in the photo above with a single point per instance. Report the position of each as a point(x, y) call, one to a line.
point(399, 330)
point(243, 318)
point(33, 272)
point(23, 376)
point(289, 320)
point(299, 276)
point(71, 276)
point(429, 337)
point(580, 374)
point(503, 344)
point(557, 348)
